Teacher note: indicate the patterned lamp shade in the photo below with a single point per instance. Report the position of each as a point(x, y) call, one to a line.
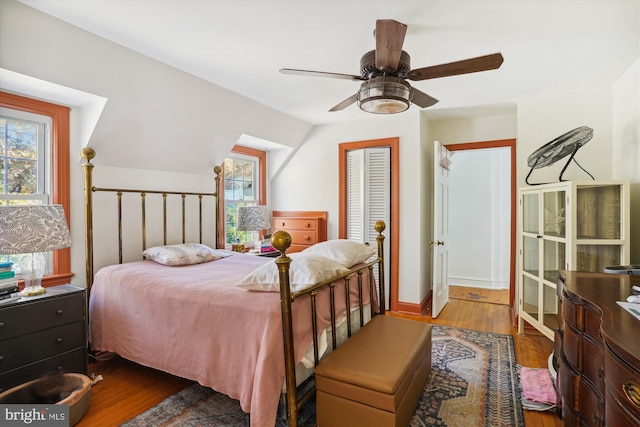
point(28, 229)
point(253, 218)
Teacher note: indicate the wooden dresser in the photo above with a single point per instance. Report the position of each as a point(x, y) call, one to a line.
point(597, 347)
point(306, 227)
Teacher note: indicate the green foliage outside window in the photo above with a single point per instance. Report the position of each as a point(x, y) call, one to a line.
point(18, 157)
point(239, 190)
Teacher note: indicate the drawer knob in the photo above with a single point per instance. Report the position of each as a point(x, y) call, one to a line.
point(632, 393)
point(307, 225)
point(600, 373)
point(58, 340)
point(59, 311)
point(307, 238)
point(1, 358)
point(1, 324)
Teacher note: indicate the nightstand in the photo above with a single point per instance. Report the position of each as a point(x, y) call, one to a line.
point(270, 254)
point(42, 335)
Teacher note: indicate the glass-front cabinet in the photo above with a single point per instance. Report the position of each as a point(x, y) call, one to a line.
point(569, 225)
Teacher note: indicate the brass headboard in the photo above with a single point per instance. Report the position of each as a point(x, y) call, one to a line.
point(88, 154)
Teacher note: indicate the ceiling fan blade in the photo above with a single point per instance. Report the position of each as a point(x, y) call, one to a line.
point(389, 40)
point(421, 99)
point(472, 65)
point(319, 74)
point(344, 104)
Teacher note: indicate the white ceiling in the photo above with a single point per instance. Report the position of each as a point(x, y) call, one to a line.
point(548, 46)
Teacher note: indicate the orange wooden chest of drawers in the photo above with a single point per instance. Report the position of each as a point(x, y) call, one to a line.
point(306, 227)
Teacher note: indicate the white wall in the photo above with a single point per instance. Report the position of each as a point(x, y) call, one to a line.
point(544, 117)
point(479, 198)
point(309, 181)
point(154, 113)
point(480, 218)
point(626, 144)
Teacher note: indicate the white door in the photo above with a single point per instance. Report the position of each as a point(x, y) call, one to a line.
point(439, 247)
point(369, 200)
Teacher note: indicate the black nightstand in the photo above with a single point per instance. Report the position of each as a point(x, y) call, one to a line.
point(272, 254)
point(42, 335)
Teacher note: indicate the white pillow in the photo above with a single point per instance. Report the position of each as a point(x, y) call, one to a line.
point(304, 271)
point(183, 254)
point(346, 252)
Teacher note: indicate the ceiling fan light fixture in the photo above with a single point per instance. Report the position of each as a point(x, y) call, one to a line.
point(384, 95)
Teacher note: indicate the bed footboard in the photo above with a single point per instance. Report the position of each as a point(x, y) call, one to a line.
point(281, 241)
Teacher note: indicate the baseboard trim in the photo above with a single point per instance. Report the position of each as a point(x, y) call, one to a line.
point(412, 308)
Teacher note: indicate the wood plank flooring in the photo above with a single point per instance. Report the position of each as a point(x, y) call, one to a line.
point(129, 389)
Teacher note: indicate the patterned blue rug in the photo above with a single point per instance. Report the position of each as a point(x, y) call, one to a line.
point(473, 382)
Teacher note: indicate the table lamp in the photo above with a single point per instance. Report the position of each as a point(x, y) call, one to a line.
point(32, 230)
point(253, 218)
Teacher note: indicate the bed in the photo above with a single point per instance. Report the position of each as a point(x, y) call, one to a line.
point(250, 327)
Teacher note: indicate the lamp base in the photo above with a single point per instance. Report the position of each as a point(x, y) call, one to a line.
point(32, 291)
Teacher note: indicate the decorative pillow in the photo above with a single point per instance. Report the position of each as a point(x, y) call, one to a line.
point(304, 271)
point(346, 252)
point(183, 254)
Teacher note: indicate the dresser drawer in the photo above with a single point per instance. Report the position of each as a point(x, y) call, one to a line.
point(70, 361)
point(289, 224)
point(568, 381)
point(591, 405)
point(593, 362)
point(572, 348)
point(571, 313)
point(304, 237)
point(616, 414)
point(622, 381)
point(21, 319)
point(29, 348)
point(592, 321)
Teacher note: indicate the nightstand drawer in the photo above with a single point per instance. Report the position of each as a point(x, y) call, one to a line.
point(29, 348)
point(288, 224)
point(71, 361)
point(23, 319)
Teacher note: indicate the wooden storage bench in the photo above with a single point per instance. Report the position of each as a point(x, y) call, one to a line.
point(375, 378)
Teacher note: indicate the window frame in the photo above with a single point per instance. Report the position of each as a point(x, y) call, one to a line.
point(59, 190)
point(261, 157)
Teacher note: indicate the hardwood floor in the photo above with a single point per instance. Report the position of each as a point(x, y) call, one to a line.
point(494, 296)
point(129, 389)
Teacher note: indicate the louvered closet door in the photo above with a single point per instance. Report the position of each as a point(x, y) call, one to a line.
point(369, 199)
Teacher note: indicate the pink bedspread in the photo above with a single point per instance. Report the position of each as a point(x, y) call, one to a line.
point(194, 323)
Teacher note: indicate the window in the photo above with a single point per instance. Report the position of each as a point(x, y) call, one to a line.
point(244, 185)
point(24, 158)
point(34, 161)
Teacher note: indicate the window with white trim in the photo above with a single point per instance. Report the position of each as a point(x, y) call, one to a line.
point(25, 167)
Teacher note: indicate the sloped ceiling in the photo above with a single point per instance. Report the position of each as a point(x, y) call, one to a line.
point(240, 45)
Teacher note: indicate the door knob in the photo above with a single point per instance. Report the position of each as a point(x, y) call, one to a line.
point(439, 242)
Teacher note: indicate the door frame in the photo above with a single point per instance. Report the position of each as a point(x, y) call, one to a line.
point(394, 227)
point(511, 144)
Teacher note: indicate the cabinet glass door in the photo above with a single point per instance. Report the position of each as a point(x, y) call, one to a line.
point(530, 293)
point(531, 255)
point(530, 209)
point(553, 260)
point(549, 307)
point(554, 213)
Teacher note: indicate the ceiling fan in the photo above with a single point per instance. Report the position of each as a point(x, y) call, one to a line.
point(385, 71)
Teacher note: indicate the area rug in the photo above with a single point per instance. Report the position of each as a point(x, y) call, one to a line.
point(473, 382)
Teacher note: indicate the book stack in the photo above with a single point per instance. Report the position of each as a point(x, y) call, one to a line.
point(8, 281)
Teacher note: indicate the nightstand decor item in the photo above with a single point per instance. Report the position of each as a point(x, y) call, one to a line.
point(253, 218)
point(32, 230)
